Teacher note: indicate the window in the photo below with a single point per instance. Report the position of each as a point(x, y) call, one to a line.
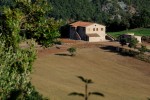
point(102, 29)
point(93, 29)
point(96, 29)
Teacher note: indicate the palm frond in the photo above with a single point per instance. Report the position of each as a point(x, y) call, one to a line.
point(89, 81)
point(76, 94)
point(96, 93)
point(82, 79)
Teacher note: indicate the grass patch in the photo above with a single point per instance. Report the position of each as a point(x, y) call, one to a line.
point(138, 31)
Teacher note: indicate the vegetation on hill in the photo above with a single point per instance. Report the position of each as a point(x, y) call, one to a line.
point(138, 31)
point(117, 15)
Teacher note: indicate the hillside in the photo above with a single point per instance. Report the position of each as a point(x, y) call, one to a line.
point(117, 77)
point(117, 15)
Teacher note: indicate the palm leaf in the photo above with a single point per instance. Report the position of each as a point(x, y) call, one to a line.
point(76, 94)
point(90, 81)
point(82, 79)
point(96, 93)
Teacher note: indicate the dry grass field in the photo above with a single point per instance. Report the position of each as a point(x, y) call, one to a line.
point(117, 77)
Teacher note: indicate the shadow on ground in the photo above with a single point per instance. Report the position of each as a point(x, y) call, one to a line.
point(63, 54)
point(120, 50)
point(109, 48)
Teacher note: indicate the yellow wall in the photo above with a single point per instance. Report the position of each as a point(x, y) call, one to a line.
point(98, 29)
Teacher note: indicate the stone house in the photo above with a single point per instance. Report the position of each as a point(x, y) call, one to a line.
point(87, 31)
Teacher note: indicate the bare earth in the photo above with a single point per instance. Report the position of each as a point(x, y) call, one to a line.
point(117, 77)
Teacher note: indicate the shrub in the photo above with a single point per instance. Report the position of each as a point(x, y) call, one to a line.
point(72, 51)
point(123, 42)
point(146, 39)
point(143, 49)
point(127, 52)
point(133, 42)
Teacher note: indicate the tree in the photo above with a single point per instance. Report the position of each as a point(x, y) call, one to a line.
point(87, 93)
point(145, 18)
point(72, 51)
point(103, 11)
point(15, 70)
point(29, 18)
point(15, 62)
point(133, 42)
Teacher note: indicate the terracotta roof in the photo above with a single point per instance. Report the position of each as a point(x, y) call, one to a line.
point(80, 23)
point(93, 35)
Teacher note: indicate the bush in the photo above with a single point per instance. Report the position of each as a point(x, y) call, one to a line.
point(129, 52)
point(143, 57)
point(123, 42)
point(15, 70)
point(72, 51)
point(143, 49)
point(146, 39)
point(133, 42)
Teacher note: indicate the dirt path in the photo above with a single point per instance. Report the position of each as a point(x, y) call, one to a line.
point(118, 77)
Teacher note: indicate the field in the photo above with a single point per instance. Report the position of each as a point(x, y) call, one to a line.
point(117, 77)
point(139, 31)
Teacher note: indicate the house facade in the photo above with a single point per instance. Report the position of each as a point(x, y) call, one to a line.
point(87, 31)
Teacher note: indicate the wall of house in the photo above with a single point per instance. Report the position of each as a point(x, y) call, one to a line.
point(138, 38)
point(72, 32)
point(94, 39)
point(98, 29)
point(95, 28)
point(75, 32)
point(81, 32)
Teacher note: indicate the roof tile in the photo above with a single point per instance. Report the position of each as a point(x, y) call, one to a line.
point(80, 23)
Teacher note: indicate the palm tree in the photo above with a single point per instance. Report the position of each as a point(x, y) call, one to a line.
point(87, 93)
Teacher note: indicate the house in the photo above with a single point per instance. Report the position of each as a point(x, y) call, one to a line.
point(128, 36)
point(87, 31)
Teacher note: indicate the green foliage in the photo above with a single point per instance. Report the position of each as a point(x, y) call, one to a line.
point(15, 70)
point(72, 51)
point(143, 49)
point(133, 42)
point(108, 12)
point(10, 26)
point(143, 57)
point(117, 15)
point(15, 62)
point(29, 19)
point(123, 42)
point(127, 52)
point(138, 31)
point(87, 93)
